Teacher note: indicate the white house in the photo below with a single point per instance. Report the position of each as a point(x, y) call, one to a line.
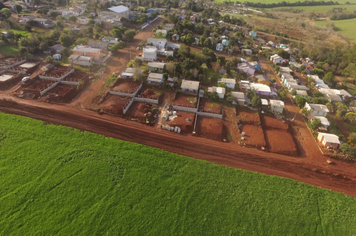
point(120, 11)
point(110, 40)
point(81, 60)
point(230, 83)
point(83, 20)
point(219, 90)
point(159, 43)
point(189, 86)
point(277, 106)
point(149, 54)
point(129, 72)
point(324, 121)
point(276, 59)
point(219, 47)
point(239, 98)
point(155, 78)
point(317, 109)
point(247, 68)
point(329, 140)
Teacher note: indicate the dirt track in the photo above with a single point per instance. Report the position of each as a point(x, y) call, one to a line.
point(340, 177)
point(310, 168)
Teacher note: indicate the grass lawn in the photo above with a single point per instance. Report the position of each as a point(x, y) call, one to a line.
point(318, 9)
point(346, 27)
point(19, 32)
point(9, 50)
point(60, 181)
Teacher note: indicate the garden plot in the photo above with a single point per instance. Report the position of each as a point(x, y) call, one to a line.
point(184, 120)
point(56, 72)
point(126, 86)
point(77, 76)
point(250, 124)
point(150, 93)
point(143, 112)
point(211, 128)
point(278, 136)
point(114, 105)
point(34, 90)
point(210, 107)
point(184, 100)
point(61, 93)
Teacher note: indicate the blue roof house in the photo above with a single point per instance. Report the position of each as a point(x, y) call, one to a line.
point(225, 42)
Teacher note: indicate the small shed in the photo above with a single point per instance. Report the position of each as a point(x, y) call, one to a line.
point(189, 86)
point(277, 106)
point(155, 78)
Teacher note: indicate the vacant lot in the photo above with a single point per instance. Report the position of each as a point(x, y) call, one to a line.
point(211, 128)
point(79, 183)
point(345, 27)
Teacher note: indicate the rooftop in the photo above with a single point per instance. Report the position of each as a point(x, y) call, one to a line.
point(318, 107)
point(330, 138)
point(119, 9)
point(156, 64)
point(189, 84)
point(276, 103)
point(260, 87)
point(150, 49)
point(264, 102)
point(155, 76)
point(324, 120)
point(86, 49)
point(238, 95)
point(151, 40)
point(262, 78)
point(220, 90)
point(227, 81)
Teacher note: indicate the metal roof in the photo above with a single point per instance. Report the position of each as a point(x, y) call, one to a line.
point(189, 84)
point(119, 9)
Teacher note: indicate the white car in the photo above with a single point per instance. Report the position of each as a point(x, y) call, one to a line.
point(25, 79)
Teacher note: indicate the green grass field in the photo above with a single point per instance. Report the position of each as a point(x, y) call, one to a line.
point(60, 181)
point(318, 9)
point(346, 27)
point(9, 50)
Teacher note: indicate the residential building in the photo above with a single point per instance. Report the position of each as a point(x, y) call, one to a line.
point(100, 45)
point(277, 106)
point(247, 52)
point(81, 60)
point(219, 47)
point(324, 122)
point(120, 11)
point(256, 65)
point(219, 90)
point(292, 86)
point(54, 49)
point(247, 68)
point(158, 43)
point(263, 79)
point(276, 59)
point(76, 10)
point(261, 89)
point(87, 51)
point(110, 40)
point(157, 67)
point(189, 86)
point(149, 53)
point(83, 20)
point(225, 42)
point(57, 56)
point(317, 109)
point(155, 78)
point(168, 27)
point(329, 140)
point(130, 72)
point(302, 93)
point(239, 98)
point(44, 22)
point(230, 83)
point(333, 98)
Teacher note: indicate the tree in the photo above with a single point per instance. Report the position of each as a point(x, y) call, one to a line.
point(90, 31)
point(130, 34)
point(282, 94)
point(294, 92)
point(318, 100)
point(49, 59)
point(352, 139)
point(120, 45)
point(207, 43)
point(330, 106)
point(350, 117)
point(72, 19)
point(283, 53)
point(329, 79)
point(348, 149)
point(189, 39)
point(317, 93)
point(315, 124)
point(256, 101)
point(305, 112)
point(65, 40)
point(341, 109)
point(184, 51)
point(300, 100)
point(214, 96)
point(169, 58)
point(17, 8)
point(5, 13)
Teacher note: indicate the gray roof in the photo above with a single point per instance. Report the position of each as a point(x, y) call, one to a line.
point(86, 49)
point(227, 81)
point(319, 107)
point(156, 64)
point(189, 84)
point(119, 9)
point(155, 77)
point(262, 78)
point(96, 44)
point(276, 103)
point(151, 40)
point(238, 95)
point(334, 98)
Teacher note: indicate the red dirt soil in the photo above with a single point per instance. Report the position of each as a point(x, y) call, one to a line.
point(126, 86)
point(280, 141)
point(184, 100)
point(114, 105)
point(181, 121)
point(210, 128)
point(61, 93)
point(210, 107)
point(273, 123)
point(149, 93)
point(138, 111)
point(254, 136)
point(248, 117)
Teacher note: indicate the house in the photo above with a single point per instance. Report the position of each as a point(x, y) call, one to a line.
point(263, 79)
point(247, 68)
point(219, 47)
point(292, 86)
point(264, 103)
point(324, 121)
point(276, 59)
point(225, 42)
point(261, 89)
point(76, 10)
point(302, 93)
point(189, 86)
point(83, 20)
point(81, 60)
point(168, 27)
point(230, 83)
point(277, 106)
point(57, 56)
point(110, 40)
point(329, 140)
point(256, 65)
point(161, 32)
point(149, 54)
point(294, 64)
point(175, 37)
point(9, 4)
point(130, 72)
point(44, 22)
point(317, 109)
point(219, 90)
point(247, 52)
point(96, 44)
point(158, 43)
point(239, 98)
point(253, 33)
point(120, 11)
point(164, 52)
point(86, 51)
point(54, 49)
point(333, 98)
point(266, 48)
point(211, 21)
point(157, 67)
point(155, 78)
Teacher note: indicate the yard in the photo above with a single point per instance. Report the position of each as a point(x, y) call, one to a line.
point(80, 183)
point(9, 50)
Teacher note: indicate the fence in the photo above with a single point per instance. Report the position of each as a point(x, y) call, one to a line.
point(70, 83)
point(131, 95)
point(144, 26)
point(148, 100)
point(187, 109)
point(17, 71)
point(48, 89)
point(128, 106)
point(54, 78)
point(212, 115)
